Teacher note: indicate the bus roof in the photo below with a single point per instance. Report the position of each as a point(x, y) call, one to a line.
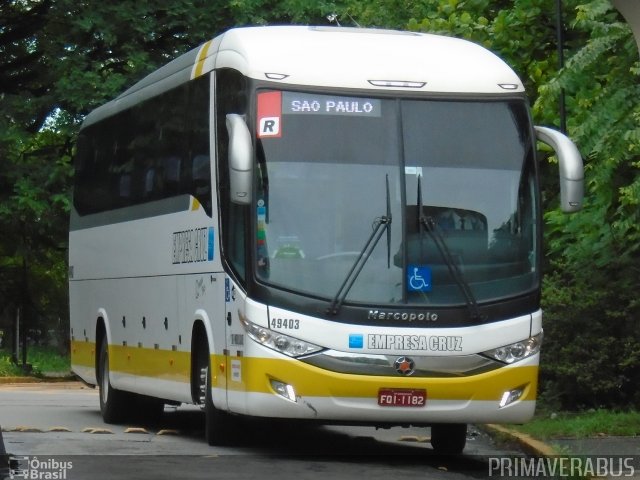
point(340, 57)
point(352, 57)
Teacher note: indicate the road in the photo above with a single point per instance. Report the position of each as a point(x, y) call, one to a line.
point(57, 429)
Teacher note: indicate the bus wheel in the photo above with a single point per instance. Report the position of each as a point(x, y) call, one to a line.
point(449, 439)
point(217, 423)
point(113, 403)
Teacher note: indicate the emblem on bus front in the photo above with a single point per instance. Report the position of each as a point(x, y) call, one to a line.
point(404, 366)
point(397, 315)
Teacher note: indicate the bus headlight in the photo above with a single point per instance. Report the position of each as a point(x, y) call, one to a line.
point(516, 351)
point(293, 347)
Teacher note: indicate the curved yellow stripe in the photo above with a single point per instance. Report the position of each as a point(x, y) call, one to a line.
point(312, 381)
point(202, 56)
point(309, 380)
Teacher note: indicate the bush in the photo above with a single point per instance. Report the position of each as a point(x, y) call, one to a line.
point(591, 356)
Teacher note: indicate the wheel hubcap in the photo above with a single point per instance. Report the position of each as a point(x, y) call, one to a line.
point(204, 374)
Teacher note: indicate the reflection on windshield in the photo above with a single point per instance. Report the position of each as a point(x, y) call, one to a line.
point(320, 161)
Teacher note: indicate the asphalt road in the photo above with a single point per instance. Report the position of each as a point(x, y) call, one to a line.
point(56, 431)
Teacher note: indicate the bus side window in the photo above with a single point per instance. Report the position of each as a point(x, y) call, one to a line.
point(124, 187)
point(157, 149)
point(198, 171)
point(151, 188)
point(171, 175)
point(230, 98)
point(200, 175)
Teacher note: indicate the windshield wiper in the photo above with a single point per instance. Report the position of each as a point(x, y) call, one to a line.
point(379, 226)
point(432, 228)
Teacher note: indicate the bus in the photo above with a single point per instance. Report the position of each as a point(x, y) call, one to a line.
point(321, 224)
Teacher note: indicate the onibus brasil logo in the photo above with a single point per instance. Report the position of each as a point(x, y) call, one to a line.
point(38, 468)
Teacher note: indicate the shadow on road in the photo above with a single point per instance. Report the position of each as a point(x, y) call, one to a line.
point(285, 442)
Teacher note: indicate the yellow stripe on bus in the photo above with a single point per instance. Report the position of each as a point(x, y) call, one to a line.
point(313, 381)
point(147, 362)
point(202, 56)
point(255, 375)
point(83, 353)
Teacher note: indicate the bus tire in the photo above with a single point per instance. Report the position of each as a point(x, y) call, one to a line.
point(217, 424)
point(449, 438)
point(113, 403)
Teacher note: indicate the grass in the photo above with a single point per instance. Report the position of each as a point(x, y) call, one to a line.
point(8, 369)
point(593, 423)
point(43, 360)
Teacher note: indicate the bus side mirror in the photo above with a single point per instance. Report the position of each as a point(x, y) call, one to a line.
point(571, 169)
point(240, 159)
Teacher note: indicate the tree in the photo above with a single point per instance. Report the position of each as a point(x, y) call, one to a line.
point(58, 60)
point(595, 255)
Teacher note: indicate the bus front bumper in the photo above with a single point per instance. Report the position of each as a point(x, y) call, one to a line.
point(287, 388)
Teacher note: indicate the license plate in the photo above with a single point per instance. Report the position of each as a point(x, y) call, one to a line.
point(401, 397)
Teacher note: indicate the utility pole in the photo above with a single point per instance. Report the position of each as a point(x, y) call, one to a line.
point(560, 46)
point(15, 332)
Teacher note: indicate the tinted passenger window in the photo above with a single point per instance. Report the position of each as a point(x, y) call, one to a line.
point(157, 149)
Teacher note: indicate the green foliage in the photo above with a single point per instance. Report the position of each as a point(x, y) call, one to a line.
point(594, 256)
point(7, 368)
point(58, 60)
point(34, 206)
point(46, 360)
point(583, 425)
point(43, 360)
point(592, 346)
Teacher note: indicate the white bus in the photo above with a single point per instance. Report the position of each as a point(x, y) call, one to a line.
point(328, 224)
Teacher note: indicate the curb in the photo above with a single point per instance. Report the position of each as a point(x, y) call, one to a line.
point(4, 380)
point(8, 380)
point(528, 444)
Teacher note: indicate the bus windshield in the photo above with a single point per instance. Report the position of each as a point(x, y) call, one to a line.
point(461, 196)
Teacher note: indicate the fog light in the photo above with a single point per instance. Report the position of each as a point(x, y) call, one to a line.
point(510, 396)
point(284, 390)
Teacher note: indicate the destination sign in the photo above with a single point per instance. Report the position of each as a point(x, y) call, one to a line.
point(311, 104)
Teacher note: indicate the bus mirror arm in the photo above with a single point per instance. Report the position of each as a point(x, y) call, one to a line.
point(571, 168)
point(240, 159)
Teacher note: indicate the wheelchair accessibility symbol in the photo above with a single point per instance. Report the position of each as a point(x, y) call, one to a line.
point(419, 278)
